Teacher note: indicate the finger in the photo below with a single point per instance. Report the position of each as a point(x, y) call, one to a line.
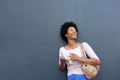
point(71, 53)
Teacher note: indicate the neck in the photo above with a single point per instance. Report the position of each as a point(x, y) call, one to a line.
point(71, 42)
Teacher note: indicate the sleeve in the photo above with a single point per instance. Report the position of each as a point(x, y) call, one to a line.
point(60, 55)
point(89, 50)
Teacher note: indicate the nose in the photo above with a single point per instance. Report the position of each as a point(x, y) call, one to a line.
point(74, 31)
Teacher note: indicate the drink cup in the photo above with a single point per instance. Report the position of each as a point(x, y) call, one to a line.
point(70, 61)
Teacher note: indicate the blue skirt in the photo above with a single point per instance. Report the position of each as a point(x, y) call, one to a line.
point(77, 77)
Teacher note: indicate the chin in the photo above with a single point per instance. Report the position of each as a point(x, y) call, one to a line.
point(75, 37)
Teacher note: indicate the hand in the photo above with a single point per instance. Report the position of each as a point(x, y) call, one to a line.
point(74, 57)
point(62, 64)
point(63, 60)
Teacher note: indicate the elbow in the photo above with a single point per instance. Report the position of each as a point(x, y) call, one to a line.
point(98, 62)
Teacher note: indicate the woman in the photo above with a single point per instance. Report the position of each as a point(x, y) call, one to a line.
point(71, 53)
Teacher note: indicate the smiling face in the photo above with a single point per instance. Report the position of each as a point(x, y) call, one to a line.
point(71, 33)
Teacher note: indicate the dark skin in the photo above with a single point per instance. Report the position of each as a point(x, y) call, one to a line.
point(72, 43)
point(62, 64)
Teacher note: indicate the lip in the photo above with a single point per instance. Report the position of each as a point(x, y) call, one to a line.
point(74, 35)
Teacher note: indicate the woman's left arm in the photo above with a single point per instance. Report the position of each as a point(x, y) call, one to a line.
point(93, 58)
point(92, 61)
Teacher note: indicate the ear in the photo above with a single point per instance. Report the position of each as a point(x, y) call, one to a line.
point(66, 35)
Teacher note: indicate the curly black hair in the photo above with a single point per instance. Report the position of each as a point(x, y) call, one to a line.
point(64, 29)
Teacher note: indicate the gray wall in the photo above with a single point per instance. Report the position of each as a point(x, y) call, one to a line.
point(30, 41)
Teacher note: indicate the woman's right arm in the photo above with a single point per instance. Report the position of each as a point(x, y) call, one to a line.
point(62, 64)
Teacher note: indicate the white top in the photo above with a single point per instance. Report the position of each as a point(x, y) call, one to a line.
point(75, 67)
